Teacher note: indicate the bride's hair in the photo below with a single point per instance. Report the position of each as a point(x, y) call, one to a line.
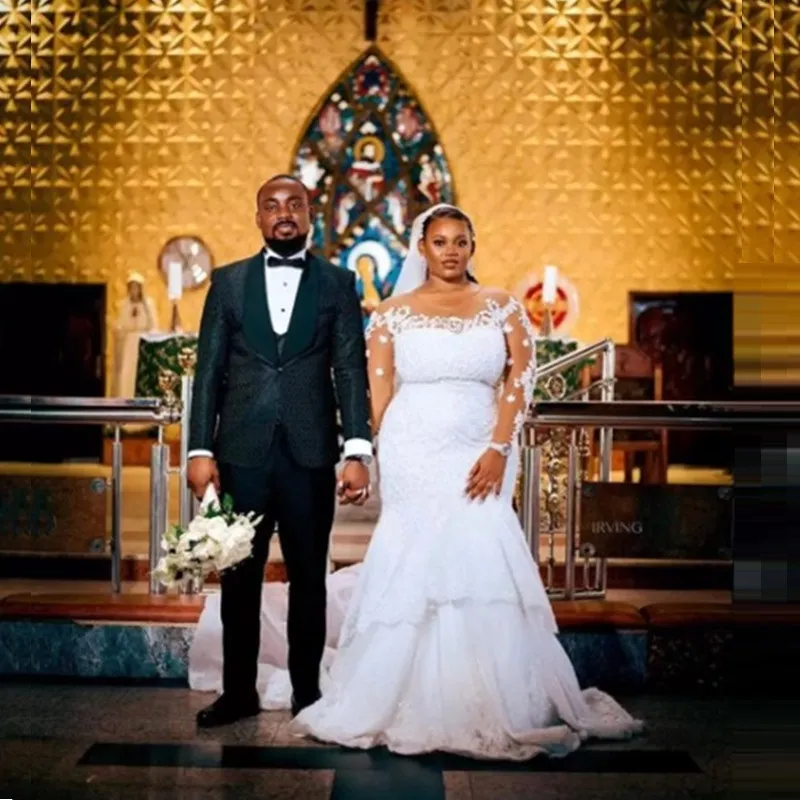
point(450, 212)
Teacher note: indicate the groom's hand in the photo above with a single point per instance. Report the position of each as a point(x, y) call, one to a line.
point(353, 484)
point(200, 472)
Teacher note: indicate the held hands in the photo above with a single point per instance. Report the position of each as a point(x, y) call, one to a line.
point(353, 485)
point(486, 477)
point(200, 472)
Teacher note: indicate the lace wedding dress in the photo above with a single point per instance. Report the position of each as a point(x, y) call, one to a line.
point(448, 641)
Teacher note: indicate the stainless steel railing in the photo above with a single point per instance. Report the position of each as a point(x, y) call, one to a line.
point(85, 410)
point(111, 411)
point(644, 414)
point(606, 350)
point(534, 464)
point(186, 498)
point(574, 416)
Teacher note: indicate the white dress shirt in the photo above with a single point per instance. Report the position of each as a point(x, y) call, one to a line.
point(282, 285)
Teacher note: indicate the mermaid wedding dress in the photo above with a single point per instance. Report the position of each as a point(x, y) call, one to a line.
point(443, 638)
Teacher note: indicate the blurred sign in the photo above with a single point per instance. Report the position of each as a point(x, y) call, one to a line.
point(45, 514)
point(672, 521)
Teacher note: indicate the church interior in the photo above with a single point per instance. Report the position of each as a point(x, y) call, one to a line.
point(631, 167)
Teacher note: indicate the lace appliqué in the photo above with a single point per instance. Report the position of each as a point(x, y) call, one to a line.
point(526, 380)
point(509, 316)
point(401, 318)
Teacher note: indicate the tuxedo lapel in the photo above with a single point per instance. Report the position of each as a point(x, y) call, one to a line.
point(302, 326)
point(256, 324)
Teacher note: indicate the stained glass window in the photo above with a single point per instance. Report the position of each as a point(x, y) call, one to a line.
point(372, 161)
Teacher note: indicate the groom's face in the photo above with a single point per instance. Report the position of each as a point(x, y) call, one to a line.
point(283, 210)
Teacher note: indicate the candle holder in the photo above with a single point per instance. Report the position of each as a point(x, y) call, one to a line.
point(546, 327)
point(187, 358)
point(549, 292)
point(175, 324)
point(167, 383)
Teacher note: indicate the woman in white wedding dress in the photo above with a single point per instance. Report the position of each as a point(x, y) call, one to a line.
point(447, 641)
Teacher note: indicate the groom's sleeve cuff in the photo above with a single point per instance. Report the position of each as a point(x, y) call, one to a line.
point(352, 447)
point(357, 447)
point(203, 453)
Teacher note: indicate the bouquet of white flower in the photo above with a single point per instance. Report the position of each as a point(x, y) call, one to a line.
point(217, 539)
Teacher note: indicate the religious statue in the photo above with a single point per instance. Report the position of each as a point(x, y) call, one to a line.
point(136, 317)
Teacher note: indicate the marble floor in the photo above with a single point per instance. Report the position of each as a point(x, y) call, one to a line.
point(99, 741)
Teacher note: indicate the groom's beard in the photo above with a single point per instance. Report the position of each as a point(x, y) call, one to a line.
point(286, 248)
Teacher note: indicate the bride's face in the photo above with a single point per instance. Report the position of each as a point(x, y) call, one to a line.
point(447, 247)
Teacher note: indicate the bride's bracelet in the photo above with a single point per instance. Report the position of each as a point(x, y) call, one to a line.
point(503, 449)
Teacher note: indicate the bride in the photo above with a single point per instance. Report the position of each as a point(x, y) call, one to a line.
point(443, 638)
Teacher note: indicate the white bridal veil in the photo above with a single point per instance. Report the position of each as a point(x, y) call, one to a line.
point(414, 269)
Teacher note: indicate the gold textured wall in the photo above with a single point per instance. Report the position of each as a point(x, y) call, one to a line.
point(632, 144)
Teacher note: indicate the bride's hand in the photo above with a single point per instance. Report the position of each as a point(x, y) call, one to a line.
point(487, 475)
point(353, 484)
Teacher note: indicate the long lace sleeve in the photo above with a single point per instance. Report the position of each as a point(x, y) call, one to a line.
point(520, 376)
point(380, 365)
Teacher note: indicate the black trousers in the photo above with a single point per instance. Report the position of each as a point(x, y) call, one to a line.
point(302, 502)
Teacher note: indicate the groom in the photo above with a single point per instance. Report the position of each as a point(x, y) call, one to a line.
point(281, 345)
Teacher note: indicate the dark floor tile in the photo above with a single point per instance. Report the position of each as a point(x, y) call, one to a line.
point(588, 786)
point(98, 791)
point(220, 756)
point(413, 782)
point(587, 760)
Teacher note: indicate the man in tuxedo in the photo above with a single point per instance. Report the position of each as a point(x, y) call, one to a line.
point(281, 345)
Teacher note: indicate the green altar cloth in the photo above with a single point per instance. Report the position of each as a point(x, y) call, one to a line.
point(160, 352)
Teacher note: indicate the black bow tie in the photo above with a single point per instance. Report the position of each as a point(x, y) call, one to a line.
point(276, 261)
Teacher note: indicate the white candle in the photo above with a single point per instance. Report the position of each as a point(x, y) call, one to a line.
point(175, 280)
point(549, 284)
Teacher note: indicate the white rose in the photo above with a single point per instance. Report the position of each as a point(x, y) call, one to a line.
point(216, 529)
point(235, 548)
point(198, 527)
point(207, 550)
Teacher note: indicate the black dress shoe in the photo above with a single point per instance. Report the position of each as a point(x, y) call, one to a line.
point(299, 705)
point(226, 710)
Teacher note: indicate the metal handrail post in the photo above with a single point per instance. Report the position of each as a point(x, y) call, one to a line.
point(527, 489)
point(608, 377)
point(530, 513)
point(116, 513)
point(607, 395)
point(185, 494)
point(570, 521)
point(159, 489)
point(536, 509)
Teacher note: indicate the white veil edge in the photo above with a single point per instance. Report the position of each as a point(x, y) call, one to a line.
point(414, 271)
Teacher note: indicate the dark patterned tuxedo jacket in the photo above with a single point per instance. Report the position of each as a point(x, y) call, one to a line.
point(248, 380)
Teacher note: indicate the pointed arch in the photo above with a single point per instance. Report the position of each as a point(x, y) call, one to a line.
point(371, 158)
